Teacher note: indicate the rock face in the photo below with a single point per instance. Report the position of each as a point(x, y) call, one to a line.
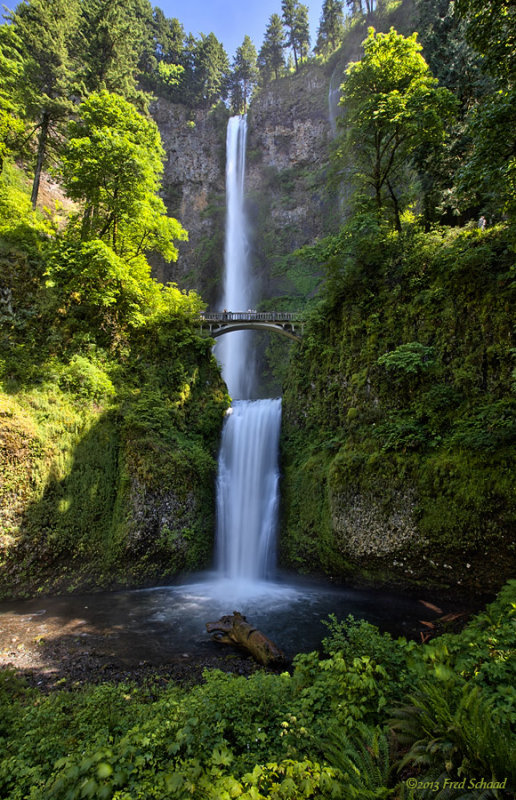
point(288, 153)
point(194, 192)
point(291, 125)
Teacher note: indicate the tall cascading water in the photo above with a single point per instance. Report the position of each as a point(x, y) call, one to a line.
point(248, 475)
point(234, 351)
point(247, 490)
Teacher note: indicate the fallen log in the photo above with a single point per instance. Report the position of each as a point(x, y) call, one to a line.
point(234, 629)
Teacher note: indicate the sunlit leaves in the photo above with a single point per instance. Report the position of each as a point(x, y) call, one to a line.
point(113, 163)
point(392, 106)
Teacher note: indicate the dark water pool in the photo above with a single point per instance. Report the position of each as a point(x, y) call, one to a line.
point(164, 623)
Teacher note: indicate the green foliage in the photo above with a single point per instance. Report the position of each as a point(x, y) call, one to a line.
point(457, 729)
point(363, 760)
point(403, 383)
point(492, 30)
point(112, 38)
point(392, 107)
point(410, 358)
point(10, 70)
point(353, 636)
point(113, 162)
point(46, 32)
point(86, 379)
point(295, 19)
point(272, 736)
point(331, 27)
point(271, 61)
point(244, 76)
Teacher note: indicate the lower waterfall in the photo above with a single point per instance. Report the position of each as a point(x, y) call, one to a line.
point(247, 490)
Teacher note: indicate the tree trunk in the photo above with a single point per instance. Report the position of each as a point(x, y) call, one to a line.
point(397, 220)
point(42, 147)
point(236, 630)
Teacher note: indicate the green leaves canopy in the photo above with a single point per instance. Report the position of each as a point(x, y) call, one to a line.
point(392, 106)
point(113, 162)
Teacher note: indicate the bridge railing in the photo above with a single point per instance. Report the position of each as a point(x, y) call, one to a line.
point(250, 316)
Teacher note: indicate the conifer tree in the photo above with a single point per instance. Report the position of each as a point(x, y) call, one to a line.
point(11, 66)
point(331, 27)
point(46, 30)
point(245, 75)
point(210, 70)
point(271, 60)
point(295, 19)
point(113, 36)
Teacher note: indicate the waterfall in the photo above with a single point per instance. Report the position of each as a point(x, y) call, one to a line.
point(247, 489)
point(234, 351)
point(248, 475)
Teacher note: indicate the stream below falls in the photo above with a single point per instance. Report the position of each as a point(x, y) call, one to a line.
point(165, 624)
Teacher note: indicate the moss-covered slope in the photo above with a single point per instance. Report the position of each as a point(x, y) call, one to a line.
point(100, 491)
point(399, 412)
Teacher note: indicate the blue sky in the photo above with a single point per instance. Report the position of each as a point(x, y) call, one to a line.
point(231, 20)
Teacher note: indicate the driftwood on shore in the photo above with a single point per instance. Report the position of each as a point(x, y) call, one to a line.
point(234, 629)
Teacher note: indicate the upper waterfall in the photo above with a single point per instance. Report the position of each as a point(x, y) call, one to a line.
point(234, 353)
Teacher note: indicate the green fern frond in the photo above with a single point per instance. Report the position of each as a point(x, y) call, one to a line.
point(363, 759)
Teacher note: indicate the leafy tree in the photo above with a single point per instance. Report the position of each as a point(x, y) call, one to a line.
point(295, 19)
point(331, 27)
point(245, 75)
point(46, 30)
point(491, 28)
point(491, 169)
point(392, 106)
point(113, 163)
point(271, 60)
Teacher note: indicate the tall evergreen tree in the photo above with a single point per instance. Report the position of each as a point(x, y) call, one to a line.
point(302, 31)
point(210, 70)
point(271, 60)
point(11, 66)
point(113, 37)
point(331, 27)
point(169, 37)
point(245, 75)
point(295, 19)
point(46, 30)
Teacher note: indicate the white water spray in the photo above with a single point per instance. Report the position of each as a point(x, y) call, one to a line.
point(247, 490)
point(234, 351)
point(248, 475)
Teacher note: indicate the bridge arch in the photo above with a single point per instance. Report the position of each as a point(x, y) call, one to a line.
point(285, 323)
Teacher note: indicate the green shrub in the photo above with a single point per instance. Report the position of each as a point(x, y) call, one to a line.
point(86, 379)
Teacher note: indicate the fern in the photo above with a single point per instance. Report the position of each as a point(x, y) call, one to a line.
point(363, 760)
point(452, 732)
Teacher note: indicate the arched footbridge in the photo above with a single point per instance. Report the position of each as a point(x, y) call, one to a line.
point(285, 322)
